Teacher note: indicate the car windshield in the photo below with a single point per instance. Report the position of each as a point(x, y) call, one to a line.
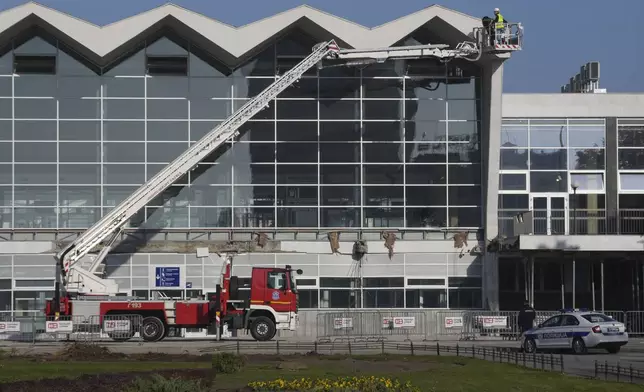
point(597, 318)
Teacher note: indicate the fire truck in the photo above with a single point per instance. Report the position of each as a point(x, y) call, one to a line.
point(82, 289)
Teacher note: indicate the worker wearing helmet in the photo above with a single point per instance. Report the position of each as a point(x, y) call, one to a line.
point(500, 25)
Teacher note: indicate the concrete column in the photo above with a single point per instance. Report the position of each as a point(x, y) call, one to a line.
point(492, 82)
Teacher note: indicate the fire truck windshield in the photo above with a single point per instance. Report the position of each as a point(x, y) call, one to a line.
point(292, 281)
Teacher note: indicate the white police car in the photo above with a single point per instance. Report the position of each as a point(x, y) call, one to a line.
point(577, 330)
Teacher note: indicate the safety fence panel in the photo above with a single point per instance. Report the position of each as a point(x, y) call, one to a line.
point(455, 324)
point(635, 323)
point(350, 325)
point(118, 328)
point(495, 324)
point(405, 324)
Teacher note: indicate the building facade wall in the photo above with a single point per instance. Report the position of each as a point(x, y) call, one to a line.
point(391, 146)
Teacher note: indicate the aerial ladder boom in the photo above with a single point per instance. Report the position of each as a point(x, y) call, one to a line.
point(85, 281)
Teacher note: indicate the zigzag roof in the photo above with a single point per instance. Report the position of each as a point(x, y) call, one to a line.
point(236, 42)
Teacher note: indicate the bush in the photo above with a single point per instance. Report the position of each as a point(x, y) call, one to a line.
point(227, 363)
point(160, 384)
point(342, 384)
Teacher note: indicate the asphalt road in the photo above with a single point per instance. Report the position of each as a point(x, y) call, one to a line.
point(632, 355)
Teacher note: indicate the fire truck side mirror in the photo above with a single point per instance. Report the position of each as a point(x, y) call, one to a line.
point(299, 272)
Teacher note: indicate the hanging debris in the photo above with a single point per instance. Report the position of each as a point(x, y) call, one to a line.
point(460, 239)
point(334, 241)
point(390, 240)
point(262, 239)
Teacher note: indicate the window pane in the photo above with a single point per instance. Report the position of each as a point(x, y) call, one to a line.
point(383, 174)
point(548, 159)
point(79, 152)
point(297, 174)
point(124, 152)
point(514, 135)
point(291, 131)
point(123, 87)
point(383, 152)
point(427, 217)
point(79, 174)
point(117, 109)
point(631, 181)
point(210, 217)
point(382, 110)
point(124, 130)
point(35, 108)
point(80, 196)
point(426, 110)
point(167, 131)
point(463, 110)
point(426, 153)
point(549, 181)
point(631, 159)
point(587, 137)
point(588, 181)
point(297, 195)
point(339, 174)
point(426, 196)
point(34, 130)
point(79, 130)
point(167, 109)
point(293, 110)
point(630, 136)
point(544, 136)
point(428, 174)
point(384, 217)
point(164, 152)
point(340, 217)
point(124, 174)
point(35, 152)
point(464, 196)
point(464, 174)
point(297, 217)
point(588, 159)
point(383, 88)
point(340, 131)
point(297, 152)
point(512, 182)
point(249, 196)
point(391, 131)
point(254, 217)
point(425, 131)
point(514, 159)
point(340, 195)
point(340, 110)
point(35, 174)
point(383, 195)
point(339, 152)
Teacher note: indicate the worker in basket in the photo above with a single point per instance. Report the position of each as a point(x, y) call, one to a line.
point(499, 28)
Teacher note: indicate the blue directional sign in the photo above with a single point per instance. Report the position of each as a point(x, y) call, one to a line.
point(188, 285)
point(168, 277)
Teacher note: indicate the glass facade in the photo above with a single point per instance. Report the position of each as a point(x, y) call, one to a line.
point(555, 168)
point(390, 145)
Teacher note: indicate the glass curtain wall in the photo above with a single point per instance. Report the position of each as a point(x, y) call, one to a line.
point(542, 162)
point(392, 145)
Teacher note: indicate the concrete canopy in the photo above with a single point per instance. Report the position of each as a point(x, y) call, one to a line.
point(230, 44)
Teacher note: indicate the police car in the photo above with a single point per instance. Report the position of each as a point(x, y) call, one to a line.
point(578, 330)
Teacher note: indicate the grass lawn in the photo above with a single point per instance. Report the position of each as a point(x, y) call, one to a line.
point(427, 373)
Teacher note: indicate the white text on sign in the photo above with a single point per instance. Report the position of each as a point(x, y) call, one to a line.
point(9, 326)
point(116, 325)
point(398, 322)
point(342, 323)
point(59, 326)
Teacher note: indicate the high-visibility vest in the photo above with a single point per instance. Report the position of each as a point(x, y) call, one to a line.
point(499, 23)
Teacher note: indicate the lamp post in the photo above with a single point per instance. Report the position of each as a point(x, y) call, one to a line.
point(574, 186)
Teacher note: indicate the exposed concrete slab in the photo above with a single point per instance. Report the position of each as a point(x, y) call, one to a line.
point(26, 247)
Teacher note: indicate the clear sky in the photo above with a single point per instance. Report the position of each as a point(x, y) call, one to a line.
point(560, 36)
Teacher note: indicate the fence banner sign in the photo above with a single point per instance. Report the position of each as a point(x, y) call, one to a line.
point(343, 323)
point(9, 326)
point(116, 325)
point(493, 321)
point(59, 326)
point(398, 322)
point(453, 322)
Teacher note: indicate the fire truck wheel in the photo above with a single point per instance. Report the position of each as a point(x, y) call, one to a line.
point(262, 329)
point(152, 329)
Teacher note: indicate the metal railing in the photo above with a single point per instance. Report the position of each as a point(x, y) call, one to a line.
point(618, 372)
point(577, 221)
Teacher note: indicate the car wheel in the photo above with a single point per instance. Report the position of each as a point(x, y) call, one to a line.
point(529, 346)
point(578, 346)
point(613, 350)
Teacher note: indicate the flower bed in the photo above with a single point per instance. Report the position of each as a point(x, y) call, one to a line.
point(342, 384)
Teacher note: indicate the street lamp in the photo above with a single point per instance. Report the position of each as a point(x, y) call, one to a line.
point(574, 186)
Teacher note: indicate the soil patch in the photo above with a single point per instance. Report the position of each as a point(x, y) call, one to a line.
point(107, 382)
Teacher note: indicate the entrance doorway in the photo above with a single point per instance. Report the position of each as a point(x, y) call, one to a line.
point(550, 213)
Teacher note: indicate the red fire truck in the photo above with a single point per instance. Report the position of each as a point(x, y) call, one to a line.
point(269, 305)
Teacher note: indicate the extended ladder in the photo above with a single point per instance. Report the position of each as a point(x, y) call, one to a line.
point(76, 279)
